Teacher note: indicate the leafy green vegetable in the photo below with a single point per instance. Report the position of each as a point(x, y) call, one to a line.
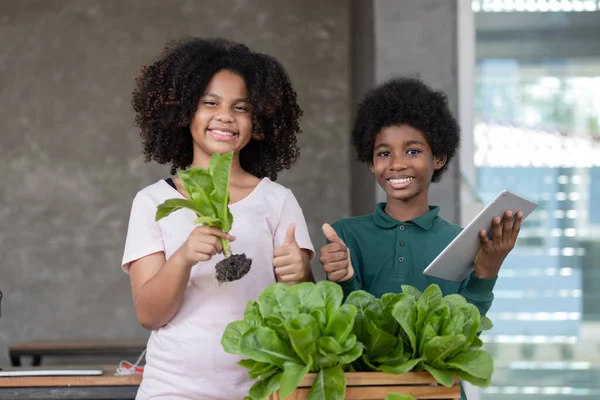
point(209, 195)
point(398, 396)
point(208, 190)
point(291, 331)
point(423, 332)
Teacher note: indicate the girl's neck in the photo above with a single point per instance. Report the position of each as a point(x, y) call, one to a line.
point(406, 210)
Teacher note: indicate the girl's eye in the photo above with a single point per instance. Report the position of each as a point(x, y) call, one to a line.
point(384, 154)
point(413, 151)
point(210, 103)
point(242, 108)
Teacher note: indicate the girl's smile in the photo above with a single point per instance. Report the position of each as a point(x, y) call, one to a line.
point(223, 134)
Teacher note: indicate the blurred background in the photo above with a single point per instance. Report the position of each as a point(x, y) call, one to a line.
point(523, 77)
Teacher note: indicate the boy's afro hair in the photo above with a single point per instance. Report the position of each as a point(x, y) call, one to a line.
point(167, 92)
point(406, 101)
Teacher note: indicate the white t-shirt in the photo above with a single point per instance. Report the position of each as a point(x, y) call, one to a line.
point(185, 358)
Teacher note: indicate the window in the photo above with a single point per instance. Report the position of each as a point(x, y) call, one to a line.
point(536, 131)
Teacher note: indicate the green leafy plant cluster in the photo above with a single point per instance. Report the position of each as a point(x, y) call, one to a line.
point(208, 191)
point(414, 331)
point(293, 330)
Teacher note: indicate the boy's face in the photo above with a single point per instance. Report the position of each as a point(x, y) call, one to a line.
point(403, 163)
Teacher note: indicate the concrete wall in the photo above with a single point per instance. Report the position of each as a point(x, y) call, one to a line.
point(70, 156)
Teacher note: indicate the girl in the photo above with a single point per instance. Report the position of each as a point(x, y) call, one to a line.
point(202, 97)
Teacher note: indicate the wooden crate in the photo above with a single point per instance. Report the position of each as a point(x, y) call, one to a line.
point(376, 385)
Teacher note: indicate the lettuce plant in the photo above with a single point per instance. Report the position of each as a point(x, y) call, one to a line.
point(414, 331)
point(208, 191)
point(291, 331)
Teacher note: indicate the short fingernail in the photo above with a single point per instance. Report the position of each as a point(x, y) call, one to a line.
point(509, 214)
point(520, 214)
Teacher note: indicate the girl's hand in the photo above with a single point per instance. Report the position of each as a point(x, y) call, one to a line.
point(202, 244)
point(493, 251)
point(288, 260)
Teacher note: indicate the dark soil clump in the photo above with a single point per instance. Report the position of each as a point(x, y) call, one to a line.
point(233, 268)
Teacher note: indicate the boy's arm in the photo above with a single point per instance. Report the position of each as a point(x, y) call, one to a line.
point(478, 291)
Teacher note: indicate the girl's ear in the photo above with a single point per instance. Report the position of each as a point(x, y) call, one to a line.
point(439, 161)
point(371, 168)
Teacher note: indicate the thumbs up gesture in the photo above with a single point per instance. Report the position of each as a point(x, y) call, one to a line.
point(335, 257)
point(287, 259)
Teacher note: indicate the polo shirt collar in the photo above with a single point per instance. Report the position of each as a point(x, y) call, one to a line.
point(424, 221)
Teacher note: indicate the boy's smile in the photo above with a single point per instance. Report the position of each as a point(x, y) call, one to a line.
point(400, 182)
point(403, 165)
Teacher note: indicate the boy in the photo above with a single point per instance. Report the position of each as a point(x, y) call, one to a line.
point(407, 135)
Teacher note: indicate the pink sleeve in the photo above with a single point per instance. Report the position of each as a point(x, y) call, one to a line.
point(144, 236)
point(292, 213)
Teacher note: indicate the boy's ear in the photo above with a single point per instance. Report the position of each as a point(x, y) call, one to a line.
point(439, 161)
point(371, 168)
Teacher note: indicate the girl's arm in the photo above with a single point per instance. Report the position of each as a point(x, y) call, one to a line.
point(158, 285)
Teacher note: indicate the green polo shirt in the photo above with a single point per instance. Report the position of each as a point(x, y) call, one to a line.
point(387, 253)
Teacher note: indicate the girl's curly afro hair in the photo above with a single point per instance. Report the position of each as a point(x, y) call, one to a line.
point(167, 92)
point(406, 101)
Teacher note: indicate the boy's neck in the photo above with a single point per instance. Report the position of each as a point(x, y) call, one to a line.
point(407, 210)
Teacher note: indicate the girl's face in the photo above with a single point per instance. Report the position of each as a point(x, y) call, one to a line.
point(223, 120)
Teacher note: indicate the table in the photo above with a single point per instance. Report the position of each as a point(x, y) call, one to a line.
point(122, 348)
point(105, 387)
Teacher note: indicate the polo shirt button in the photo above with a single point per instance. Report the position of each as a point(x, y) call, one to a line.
point(400, 259)
point(401, 227)
point(402, 244)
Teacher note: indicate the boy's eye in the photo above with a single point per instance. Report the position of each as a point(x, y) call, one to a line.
point(413, 151)
point(209, 103)
point(384, 154)
point(242, 108)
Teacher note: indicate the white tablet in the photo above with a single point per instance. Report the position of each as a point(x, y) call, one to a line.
point(455, 262)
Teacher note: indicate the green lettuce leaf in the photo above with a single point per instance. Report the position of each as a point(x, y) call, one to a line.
point(232, 336)
point(265, 387)
point(220, 166)
point(405, 312)
point(398, 396)
point(264, 345)
point(291, 378)
point(329, 384)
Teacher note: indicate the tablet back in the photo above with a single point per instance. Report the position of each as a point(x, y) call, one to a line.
point(455, 262)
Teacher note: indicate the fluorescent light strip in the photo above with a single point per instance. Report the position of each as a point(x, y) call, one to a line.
point(535, 5)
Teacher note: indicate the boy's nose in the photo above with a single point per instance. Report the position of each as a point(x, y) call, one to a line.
point(398, 163)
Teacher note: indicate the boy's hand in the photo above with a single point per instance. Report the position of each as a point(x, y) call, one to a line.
point(287, 259)
point(335, 257)
point(493, 251)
